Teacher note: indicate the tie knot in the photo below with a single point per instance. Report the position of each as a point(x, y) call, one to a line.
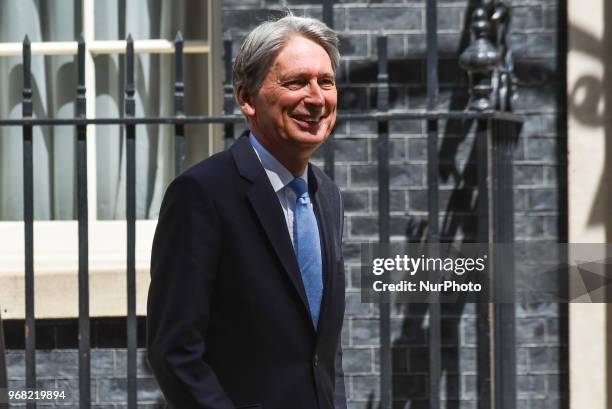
point(298, 185)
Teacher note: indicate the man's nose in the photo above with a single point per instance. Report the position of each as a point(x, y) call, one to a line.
point(315, 94)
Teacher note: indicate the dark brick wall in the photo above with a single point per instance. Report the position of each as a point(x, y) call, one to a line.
point(539, 179)
point(58, 370)
point(539, 208)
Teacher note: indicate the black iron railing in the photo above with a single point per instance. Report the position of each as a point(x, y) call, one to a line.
point(496, 133)
point(3, 375)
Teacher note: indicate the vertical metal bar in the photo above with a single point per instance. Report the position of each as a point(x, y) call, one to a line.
point(503, 134)
point(84, 343)
point(330, 146)
point(179, 107)
point(228, 97)
point(386, 387)
point(3, 375)
point(433, 231)
point(483, 309)
point(131, 226)
point(28, 219)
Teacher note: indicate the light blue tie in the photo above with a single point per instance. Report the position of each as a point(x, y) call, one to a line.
point(308, 247)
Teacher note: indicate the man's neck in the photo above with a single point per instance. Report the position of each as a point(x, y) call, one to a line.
point(294, 163)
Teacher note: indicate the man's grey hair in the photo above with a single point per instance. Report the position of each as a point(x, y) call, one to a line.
point(263, 44)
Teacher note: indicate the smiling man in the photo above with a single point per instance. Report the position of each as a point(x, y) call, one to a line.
point(246, 301)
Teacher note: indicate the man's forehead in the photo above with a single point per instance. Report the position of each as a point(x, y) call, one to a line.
point(301, 55)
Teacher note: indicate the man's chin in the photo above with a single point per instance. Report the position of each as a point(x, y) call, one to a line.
point(311, 141)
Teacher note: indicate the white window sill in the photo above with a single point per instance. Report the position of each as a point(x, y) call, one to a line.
point(56, 268)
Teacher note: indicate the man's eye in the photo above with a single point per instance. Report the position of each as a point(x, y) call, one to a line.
point(295, 85)
point(327, 83)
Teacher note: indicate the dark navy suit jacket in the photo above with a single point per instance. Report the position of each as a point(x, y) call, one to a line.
point(228, 321)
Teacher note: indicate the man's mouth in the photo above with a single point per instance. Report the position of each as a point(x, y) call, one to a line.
point(307, 121)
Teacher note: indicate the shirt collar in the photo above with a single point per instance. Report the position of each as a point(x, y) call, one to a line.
point(277, 173)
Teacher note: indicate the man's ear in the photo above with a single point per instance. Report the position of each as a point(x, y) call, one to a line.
point(245, 101)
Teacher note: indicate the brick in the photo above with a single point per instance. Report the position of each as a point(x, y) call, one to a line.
point(15, 364)
point(351, 150)
point(345, 336)
point(356, 200)
point(528, 175)
point(405, 126)
point(57, 364)
point(397, 97)
point(351, 251)
point(148, 391)
point(227, 4)
point(112, 390)
point(353, 98)
point(530, 385)
point(551, 18)
point(397, 149)
point(541, 149)
point(397, 200)
point(354, 272)
point(527, 18)
point(416, 45)
point(357, 360)
point(536, 71)
point(406, 71)
point(247, 19)
point(469, 334)
point(354, 306)
point(409, 386)
point(70, 387)
point(449, 386)
point(417, 149)
point(363, 71)
point(142, 363)
point(551, 175)
point(395, 45)
point(552, 225)
point(522, 360)
point(365, 387)
point(449, 44)
point(363, 175)
point(518, 44)
point(364, 226)
point(363, 127)
point(450, 72)
point(407, 332)
point(102, 362)
point(396, 18)
point(544, 44)
point(352, 45)
point(339, 16)
point(341, 175)
point(539, 358)
point(450, 18)
point(542, 199)
point(557, 385)
point(519, 199)
point(409, 175)
point(530, 330)
point(365, 332)
point(467, 361)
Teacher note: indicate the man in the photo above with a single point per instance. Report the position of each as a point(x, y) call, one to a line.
point(246, 301)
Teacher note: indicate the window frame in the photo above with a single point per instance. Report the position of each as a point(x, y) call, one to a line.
point(56, 242)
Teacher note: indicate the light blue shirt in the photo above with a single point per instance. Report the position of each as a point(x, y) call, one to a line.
point(279, 178)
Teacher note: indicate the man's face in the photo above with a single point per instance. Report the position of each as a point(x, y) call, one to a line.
point(295, 108)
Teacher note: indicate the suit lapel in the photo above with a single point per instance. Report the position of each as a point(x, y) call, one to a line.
point(328, 236)
point(265, 203)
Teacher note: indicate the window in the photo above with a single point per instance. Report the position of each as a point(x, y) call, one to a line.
point(53, 28)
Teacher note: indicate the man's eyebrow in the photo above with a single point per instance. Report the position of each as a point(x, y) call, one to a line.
point(301, 74)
